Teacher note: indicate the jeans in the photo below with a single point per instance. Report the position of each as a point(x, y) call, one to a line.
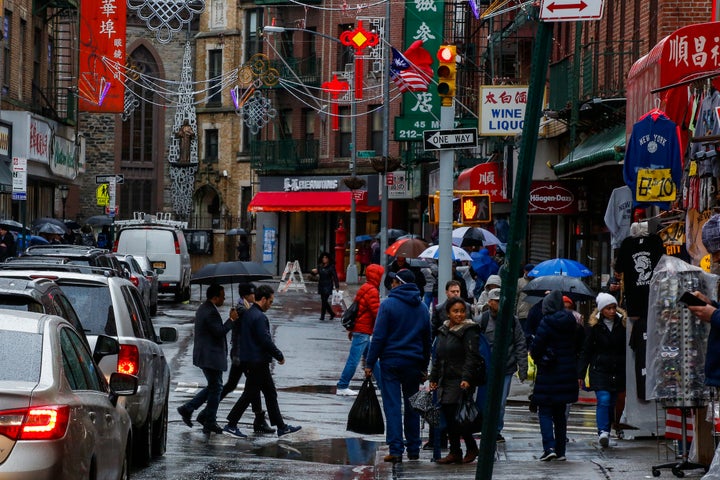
point(398, 385)
point(553, 427)
point(209, 394)
point(428, 299)
point(259, 379)
point(503, 401)
point(605, 411)
point(358, 348)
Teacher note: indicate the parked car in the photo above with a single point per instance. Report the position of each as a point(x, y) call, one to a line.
point(79, 255)
point(152, 277)
point(137, 277)
point(111, 305)
point(59, 417)
point(163, 242)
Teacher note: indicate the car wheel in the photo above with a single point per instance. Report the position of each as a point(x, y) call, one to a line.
point(125, 466)
point(143, 441)
point(159, 442)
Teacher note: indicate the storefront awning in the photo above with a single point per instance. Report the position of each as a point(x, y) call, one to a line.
point(309, 202)
point(597, 150)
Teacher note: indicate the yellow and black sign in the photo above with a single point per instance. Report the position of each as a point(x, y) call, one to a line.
point(102, 195)
point(655, 185)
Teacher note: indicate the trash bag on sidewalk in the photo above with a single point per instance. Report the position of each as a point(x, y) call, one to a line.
point(365, 415)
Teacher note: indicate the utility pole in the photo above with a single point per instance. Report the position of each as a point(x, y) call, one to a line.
point(518, 231)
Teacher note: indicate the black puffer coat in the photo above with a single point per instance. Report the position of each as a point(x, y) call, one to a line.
point(604, 352)
point(456, 359)
point(554, 349)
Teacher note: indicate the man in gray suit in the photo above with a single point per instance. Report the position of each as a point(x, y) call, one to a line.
point(210, 354)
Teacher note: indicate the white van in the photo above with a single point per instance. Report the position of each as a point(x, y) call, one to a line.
point(161, 240)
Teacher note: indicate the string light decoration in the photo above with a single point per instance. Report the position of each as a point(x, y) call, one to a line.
point(166, 17)
point(182, 174)
point(255, 109)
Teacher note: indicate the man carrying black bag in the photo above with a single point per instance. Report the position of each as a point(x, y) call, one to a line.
point(401, 342)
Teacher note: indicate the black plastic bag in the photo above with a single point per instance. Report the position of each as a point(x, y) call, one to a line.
point(366, 415)
point(467, 412)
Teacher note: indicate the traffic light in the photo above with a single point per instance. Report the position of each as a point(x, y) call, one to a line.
point(475, 208)
point(446, 74)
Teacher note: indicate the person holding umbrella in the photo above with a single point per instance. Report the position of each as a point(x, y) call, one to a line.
point(7, 244)
point(328, 280)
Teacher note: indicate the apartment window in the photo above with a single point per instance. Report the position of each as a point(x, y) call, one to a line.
point(215, 76)
point(309, 123)
point(37, 65)
point(376, 128)
point(7, 70)
point(285, 123)
point(212, 140)
point(344, 136)
point(252, 40)
point(345, 54)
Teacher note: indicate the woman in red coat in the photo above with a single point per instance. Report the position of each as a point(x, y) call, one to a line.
point(368, 298)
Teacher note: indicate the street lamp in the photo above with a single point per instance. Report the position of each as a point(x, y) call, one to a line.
point(64, 190)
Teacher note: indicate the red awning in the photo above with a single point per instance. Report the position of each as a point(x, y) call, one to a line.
point(486, 178)
point(309, 202)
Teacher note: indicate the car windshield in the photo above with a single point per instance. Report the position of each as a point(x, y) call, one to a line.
point(20, 356)
point(21, 303)
point(93, 306)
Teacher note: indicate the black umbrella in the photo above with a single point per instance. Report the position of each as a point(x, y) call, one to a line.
point(393, 234)
point(52, 229)
point(573, 287)
point(38, 223)
point(12, 225)
point(72, 224)
point(230, 272)
point(99, 221)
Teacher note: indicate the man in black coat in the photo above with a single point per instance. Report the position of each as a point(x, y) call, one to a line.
point(7, 244)
point(210, 354)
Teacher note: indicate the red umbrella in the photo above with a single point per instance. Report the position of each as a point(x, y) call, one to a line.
point(407, 247)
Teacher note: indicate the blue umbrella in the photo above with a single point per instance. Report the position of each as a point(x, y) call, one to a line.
point(363, 238)
point(483, 264)
point(560, 266)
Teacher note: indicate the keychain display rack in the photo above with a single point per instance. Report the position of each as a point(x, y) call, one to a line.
point(676, 356)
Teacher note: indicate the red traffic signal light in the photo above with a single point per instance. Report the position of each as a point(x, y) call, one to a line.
point(475, 208)
point(446, 72)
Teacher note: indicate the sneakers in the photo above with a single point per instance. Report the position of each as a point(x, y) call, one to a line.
point(604, 439)
point(186, 415)
point(548, 455)
point(500, 438)
point(561, 458)
point(233, 432)
point(345, 392)
point(287, 429)
point(392, 458)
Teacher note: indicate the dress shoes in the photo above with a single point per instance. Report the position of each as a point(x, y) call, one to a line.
point(470, 456)
point(450, 458)
point(392, 458)
point(212, 428)
point(186, 415)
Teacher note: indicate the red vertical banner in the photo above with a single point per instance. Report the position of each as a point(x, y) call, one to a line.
point(102, 56)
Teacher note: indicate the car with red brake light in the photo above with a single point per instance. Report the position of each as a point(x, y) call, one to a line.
point(59, 417)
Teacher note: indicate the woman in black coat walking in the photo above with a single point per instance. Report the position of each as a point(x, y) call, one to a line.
point(604, 353)
point(554, 349)
point(328, 280)
point(455, 372)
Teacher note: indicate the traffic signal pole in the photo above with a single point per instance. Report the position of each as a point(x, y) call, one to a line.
point(514, 250)
point(445, 220)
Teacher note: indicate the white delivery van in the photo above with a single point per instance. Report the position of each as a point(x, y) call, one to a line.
point(161, 239)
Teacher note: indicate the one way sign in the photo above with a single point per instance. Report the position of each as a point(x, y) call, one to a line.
point(448, 139)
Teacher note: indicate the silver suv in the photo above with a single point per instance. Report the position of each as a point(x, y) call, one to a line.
point(110, 305)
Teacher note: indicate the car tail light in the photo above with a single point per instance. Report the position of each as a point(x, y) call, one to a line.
point(135, 281)
point(35, 423)
point(128, 360)
point(115, 246)
point(177, 246)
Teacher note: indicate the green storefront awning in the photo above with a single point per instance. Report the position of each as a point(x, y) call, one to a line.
point(596, 150)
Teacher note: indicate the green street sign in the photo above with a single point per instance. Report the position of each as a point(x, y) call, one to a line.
point(366, 154)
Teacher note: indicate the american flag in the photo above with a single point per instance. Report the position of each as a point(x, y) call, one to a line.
point(406, 76)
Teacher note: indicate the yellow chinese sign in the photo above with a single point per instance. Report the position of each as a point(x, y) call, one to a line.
point(655, 185)
point(102, 195)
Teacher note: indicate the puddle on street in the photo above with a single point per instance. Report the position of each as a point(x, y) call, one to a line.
point(334, 451)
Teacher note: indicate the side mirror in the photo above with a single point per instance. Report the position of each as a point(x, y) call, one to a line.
point(122, 384)
point(105, 346)
point(168, 334)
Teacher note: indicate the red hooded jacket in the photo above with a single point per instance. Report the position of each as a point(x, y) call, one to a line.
point(368, 298)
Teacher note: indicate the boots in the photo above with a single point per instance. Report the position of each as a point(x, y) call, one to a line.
point(260, 425)
point(452, 457)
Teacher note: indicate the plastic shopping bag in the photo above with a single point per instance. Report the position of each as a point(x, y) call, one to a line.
point(467, 412)
point(337, 303)
point(366, 415)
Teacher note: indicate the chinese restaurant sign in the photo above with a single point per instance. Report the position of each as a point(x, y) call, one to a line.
point(502, 109)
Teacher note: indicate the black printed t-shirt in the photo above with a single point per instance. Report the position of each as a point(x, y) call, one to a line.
point(636, 260)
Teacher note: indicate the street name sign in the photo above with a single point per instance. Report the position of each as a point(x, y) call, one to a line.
point(109, 178)
point(449, 139)
point(571, 10)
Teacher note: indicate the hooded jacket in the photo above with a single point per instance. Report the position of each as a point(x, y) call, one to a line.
point(554, 349)
point(604, 353)
point(368, 298)
point(401, 337)
point(456, 359)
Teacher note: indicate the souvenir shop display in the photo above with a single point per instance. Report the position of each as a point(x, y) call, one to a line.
point(676, 345)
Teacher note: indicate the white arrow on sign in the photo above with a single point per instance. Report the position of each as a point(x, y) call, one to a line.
point(441, 139)
point(568, 10)
point(454, 139)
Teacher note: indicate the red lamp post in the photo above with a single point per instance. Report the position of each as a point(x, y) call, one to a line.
point(340, 240)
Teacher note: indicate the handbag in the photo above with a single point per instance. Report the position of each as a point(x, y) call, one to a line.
point(422, 402)
point(365, 414)
point(467, 411)
point(350, 315)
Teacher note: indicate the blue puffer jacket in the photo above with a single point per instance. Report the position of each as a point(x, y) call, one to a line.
point(401, 336)
point(555, 351)
point(255, 343)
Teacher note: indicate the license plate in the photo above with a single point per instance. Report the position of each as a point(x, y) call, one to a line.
point(158, 264)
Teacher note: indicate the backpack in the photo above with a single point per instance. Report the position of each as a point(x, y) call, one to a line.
point(350, 315)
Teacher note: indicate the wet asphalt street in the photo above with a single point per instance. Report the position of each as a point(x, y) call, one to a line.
point(315, 353)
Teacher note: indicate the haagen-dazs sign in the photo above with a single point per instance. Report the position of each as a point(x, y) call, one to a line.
point(552, 198)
